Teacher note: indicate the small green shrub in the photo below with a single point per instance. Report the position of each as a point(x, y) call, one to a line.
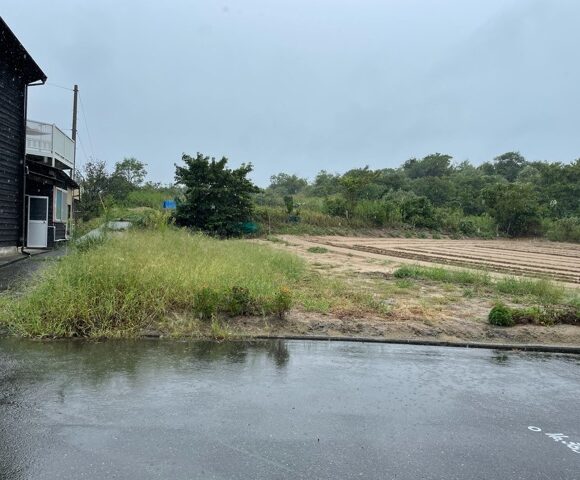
point(529, 315)
point(239, 301)
point(501, 316)
point(282, 301)
point(406, 271)
point(206, 302)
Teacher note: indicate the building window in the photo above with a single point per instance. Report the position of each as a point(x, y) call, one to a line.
point(60, 208)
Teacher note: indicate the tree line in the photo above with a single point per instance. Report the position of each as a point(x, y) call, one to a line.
point(505, 196)
point(513, 196)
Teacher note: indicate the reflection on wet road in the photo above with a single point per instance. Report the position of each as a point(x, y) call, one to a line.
point(176, 410)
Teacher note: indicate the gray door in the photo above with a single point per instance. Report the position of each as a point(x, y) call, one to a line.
point(37, 222)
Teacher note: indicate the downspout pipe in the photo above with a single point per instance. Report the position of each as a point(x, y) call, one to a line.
point(24, 166)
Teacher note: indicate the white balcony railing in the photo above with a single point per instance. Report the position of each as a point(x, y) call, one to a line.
point(47, 140)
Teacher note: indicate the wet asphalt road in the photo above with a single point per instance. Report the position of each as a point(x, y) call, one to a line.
point(169, 410)
point(15, 275)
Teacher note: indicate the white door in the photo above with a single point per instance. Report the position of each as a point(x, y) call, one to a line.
point(37, 222)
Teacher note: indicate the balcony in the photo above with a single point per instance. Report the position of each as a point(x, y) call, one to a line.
point(50, 143)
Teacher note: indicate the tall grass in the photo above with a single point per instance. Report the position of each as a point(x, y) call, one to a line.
point(135, 279)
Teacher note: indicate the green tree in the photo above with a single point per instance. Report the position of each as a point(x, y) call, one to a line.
point(559, 187)
point(127, 177)
point(131, 170)
point(392, 179)
point(439, 190)
point(217, 199)
point(514, 207)
point(417, 211)
point(94, 189)
point(435, 165)
point(508, 165)
point(285, 184)
point(355, 184)
point(326, 184)
point(468, 183)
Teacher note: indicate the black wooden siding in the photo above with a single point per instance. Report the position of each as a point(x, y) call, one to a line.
point(59, 231)
point(11, 155)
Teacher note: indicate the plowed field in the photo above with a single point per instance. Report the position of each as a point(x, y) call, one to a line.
point(534, 258)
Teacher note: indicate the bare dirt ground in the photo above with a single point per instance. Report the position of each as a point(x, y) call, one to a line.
point(422, 309)
point(534, 258)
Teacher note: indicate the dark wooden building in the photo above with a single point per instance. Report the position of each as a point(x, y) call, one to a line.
point(17, 72)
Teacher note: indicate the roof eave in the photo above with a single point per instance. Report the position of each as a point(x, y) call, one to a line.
point(32, 72)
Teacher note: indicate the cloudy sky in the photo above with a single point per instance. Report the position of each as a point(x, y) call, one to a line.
point(304, 85)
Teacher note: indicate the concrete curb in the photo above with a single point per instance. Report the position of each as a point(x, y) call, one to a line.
point(432, 343)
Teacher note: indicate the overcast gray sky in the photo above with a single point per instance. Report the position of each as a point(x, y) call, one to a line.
point(304, 85)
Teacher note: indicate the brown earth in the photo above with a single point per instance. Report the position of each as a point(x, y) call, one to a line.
point(535, 258)
point(426, 309)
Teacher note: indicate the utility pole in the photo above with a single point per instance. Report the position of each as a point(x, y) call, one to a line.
point(74, 139)
point(74, 127)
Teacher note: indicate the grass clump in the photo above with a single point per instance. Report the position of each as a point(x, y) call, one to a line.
point(464, 277)
point(404, 283)
point(318, 250)
point(501, 316)
point(546, 291)
point(134, 280)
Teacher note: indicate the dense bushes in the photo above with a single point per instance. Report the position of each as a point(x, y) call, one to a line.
point(508, 196)
point(505, 316)
point(564, 230)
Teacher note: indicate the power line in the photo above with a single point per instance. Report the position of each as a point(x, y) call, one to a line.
point(83, 148)
point(58, 86)
point(86, 125)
